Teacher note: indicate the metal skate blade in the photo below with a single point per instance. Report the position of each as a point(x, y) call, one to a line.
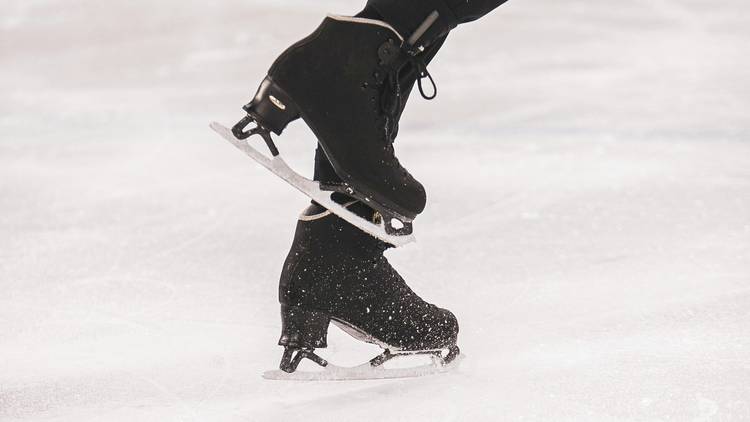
point(310, 188)
point(363, 372)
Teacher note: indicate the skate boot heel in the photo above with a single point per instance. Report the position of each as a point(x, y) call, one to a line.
point(301, 333)
point(302, 328)
point(272, 108)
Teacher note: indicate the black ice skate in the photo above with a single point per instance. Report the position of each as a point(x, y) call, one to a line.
point(313, 190)
point(336, 273)
point(344, 81)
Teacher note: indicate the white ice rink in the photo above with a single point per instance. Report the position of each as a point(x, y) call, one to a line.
point(588, 172)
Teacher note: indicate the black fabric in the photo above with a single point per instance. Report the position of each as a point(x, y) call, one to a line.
point(343, 109)
point(370, 13)
point(324, 172)
point(471, 10)
point(336, 269)
point(407, 15)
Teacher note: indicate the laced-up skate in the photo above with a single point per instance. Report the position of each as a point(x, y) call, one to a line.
point(336, 273)
point(344, 81)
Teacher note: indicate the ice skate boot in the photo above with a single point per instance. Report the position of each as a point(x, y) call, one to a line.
point(344, 82)
point(336, 273)
point(408, 77)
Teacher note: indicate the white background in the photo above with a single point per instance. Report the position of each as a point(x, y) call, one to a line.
point(588, 172)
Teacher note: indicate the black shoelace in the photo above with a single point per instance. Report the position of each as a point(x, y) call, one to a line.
point(392, 97)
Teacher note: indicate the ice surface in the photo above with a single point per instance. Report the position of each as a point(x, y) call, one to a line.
point(588, 171)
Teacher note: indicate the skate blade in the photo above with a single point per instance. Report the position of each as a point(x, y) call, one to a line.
point(363, 372)
point(310, 188)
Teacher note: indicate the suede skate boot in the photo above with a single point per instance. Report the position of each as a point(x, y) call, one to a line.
point(336, 273)
point(344, 82)
point(408, 76)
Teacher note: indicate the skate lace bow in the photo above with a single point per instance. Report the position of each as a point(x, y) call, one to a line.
point(420, 66)
point(393, 103)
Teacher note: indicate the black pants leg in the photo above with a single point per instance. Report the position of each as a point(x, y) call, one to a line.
point(471, 10)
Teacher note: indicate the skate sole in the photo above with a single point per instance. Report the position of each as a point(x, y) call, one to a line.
point(311, 189)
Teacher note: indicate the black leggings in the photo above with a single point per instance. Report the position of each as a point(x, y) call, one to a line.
point(406, 15)
point(471, 10)
point(411, 12)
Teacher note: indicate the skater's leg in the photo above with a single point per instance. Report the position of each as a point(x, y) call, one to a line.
point(408, 16)
point(471, 10)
